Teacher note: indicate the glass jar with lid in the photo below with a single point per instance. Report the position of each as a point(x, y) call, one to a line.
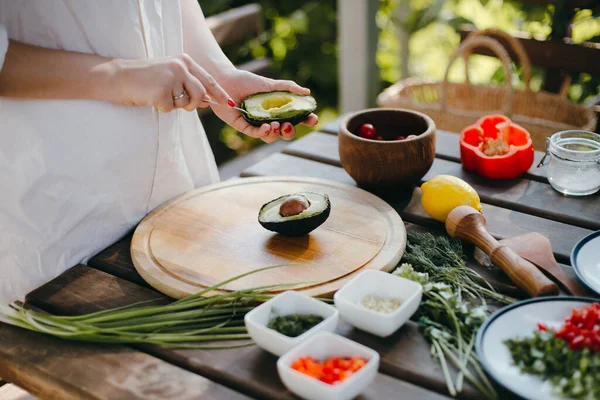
point(573, 159)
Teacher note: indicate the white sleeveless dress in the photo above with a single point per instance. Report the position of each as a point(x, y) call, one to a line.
point(76, 176)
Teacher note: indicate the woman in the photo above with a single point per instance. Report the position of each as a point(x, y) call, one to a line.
point(97, 123)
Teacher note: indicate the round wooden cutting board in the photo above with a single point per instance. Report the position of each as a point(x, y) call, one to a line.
point(212, 234)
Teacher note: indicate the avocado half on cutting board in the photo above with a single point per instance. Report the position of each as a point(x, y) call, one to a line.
point(295, 214)
point(279, 107)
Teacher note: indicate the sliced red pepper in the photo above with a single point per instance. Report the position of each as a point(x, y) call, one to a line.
point(582, 328)
point(517, 159)
point(332, 370)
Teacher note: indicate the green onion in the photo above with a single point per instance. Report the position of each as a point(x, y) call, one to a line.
point(207, 316)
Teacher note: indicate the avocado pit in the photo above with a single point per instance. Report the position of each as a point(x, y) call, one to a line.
point(294, 205)
point(295, 214)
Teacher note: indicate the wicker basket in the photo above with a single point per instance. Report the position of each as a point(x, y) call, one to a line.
point(453, 106)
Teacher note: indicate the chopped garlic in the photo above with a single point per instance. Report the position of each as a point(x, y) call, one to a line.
point(380, 304)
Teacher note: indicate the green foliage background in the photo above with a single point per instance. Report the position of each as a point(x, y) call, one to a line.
point(300, 38)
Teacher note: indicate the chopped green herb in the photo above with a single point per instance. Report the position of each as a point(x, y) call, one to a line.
point(295, 324)
point(573, 373)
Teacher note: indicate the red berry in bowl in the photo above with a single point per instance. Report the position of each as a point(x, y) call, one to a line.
point(378, 138)
point(400, 138)
point(367, 131)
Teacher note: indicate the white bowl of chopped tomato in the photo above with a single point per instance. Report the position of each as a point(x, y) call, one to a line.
point(288, 319)
point(378, 302)
point(328, 367)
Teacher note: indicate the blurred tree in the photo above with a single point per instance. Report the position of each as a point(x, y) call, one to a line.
point(416, 38)
point(300, 38)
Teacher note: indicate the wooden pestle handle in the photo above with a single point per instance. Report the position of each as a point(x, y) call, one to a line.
point(468, 224)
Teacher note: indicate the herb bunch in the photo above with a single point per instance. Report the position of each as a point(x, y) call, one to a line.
point(442, 258)
point(450, 323)
point(454, 306)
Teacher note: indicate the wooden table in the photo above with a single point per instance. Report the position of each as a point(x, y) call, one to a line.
point(56, 369)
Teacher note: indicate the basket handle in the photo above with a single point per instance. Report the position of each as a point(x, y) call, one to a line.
point(564, 88)
point(464, 50)
point(514, 43)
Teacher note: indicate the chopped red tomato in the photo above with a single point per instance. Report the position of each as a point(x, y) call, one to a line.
point(582, 328)
point(333, 370)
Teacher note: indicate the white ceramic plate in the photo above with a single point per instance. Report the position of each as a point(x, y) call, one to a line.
point(585, 259)
point(521, 319)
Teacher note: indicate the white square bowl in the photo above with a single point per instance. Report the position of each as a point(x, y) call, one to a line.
point(322, 346)
point(289, 302)
point(347, 301)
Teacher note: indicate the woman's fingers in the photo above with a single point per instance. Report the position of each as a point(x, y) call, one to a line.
point(311, 120)
point(180, 96)
point(196, 92)
point(287, 131)
point(275, 126)
point(270, 137)
point(241, 125)
point(213, 89)
point(290, 86)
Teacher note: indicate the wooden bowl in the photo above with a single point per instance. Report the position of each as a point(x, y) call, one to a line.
point(387, 163)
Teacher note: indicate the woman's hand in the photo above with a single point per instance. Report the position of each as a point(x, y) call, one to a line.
point(240, 84)
point(160, 83)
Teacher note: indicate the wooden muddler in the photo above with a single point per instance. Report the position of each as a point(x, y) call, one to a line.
point(468, 224)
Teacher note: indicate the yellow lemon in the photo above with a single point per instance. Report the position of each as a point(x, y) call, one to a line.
point(444, 193)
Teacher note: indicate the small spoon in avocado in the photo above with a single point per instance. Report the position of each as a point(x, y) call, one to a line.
point(235, 108)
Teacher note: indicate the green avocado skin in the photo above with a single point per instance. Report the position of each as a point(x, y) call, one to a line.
point(298, 227)
point(295, 120)
point(294, 117)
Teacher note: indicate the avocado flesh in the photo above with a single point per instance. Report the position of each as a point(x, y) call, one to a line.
point(277, 107)
point(299, 224)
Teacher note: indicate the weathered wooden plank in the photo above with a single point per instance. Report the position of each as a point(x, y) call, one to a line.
point(295, 166)
point(502, 222)
point(56, 369)
point(582, 57)
point(127, 271)
point(249, 370)
point(448, 148)
point(236, 24)
point(334, 126)
point(523, 195)
point(259, 66)
point(317, 146)
point(527, 196)
point(116, 260)
point(568, 5)
point(323, 147)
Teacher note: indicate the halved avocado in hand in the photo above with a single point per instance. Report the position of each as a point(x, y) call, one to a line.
point(264, 108)
point(295, 214)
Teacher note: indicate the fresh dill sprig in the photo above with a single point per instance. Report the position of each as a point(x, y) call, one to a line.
point(443, 259)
